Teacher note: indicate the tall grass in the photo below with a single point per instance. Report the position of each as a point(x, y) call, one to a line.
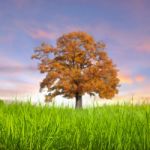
point(24, 126)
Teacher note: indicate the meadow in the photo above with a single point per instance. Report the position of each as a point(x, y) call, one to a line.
point(25, 126)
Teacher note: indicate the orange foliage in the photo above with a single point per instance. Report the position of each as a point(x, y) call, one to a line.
point(77, 65)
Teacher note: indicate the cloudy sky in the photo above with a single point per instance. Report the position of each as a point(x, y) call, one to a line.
point(124, 25)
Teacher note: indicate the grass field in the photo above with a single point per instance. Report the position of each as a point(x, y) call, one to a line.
point(24, 126)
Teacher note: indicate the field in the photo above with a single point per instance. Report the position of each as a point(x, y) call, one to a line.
point(24, 126)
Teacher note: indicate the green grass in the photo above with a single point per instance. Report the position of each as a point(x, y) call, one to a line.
point(24, 126)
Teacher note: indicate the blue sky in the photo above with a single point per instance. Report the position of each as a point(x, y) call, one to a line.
point(123, 25)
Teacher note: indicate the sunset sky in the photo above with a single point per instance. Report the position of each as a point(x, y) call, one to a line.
point(124, 25)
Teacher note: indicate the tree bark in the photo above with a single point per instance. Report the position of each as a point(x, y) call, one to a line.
point(78, 101)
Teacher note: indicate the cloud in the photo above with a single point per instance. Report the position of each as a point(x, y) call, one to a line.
point(10, 66)
point(9, 61)
point(125, 79)
point(139, 78)
point(142, 90)
point(42, 34)
point(144, 46)
point(52, 31)
point(17, 78)
point(18, 89)
point(35, 31)
point(48, 31)
point(11, 69)
point(25, 84)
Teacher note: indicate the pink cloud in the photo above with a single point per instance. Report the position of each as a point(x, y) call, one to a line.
point(12, 68)
point(51, 33)
point(15, 87)
point(19, 90)
point(42, 34)
point(9, 61)
point(125, 78)
point(7, 65)
point(17, 78)
point(144, 46)
point(139, 78)
point(37, 32)
point(143, 90)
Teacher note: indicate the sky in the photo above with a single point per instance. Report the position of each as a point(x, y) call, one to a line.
point(124, 25)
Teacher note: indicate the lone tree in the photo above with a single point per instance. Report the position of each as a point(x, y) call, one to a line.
point(77, 65)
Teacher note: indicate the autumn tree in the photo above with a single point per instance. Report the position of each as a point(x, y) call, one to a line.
point(75, 66)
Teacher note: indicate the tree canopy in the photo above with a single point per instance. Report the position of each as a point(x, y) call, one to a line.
point(75, 66)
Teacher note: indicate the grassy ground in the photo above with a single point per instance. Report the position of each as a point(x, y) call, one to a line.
point(23, 126)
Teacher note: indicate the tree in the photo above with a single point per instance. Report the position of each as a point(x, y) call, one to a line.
point(77, 65)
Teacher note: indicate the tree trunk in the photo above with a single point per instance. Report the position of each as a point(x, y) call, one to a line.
point(78, 101)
